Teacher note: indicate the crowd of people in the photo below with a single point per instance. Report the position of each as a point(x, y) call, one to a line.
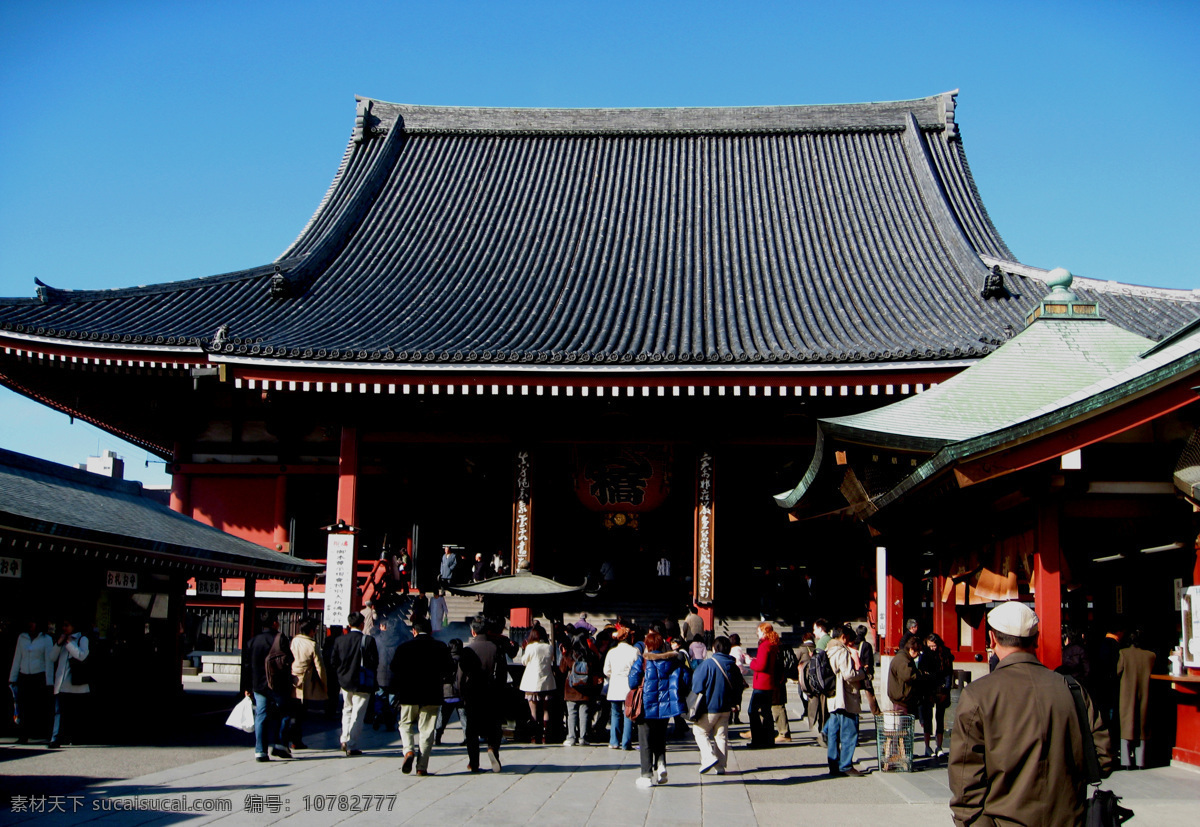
point(577, 685)
point(571, 684)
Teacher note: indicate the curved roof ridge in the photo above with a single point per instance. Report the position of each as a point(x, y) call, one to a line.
point(932, 112)
point(1102, 286)
point(53, 295)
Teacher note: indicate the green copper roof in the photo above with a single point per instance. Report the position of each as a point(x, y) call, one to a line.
point(1052, 373)
point(1040, 369)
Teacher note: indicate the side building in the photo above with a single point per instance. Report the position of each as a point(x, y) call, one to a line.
point(78, 546)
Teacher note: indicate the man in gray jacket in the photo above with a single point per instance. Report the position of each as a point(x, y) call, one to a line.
point(841, 729)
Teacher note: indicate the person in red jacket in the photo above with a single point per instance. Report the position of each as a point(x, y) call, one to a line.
point(766, 675)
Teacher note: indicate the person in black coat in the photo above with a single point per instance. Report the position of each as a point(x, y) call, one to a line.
point(482, 678)
point(272, 722)
point(417, 670)
point(1075, 660)
point(354, 659)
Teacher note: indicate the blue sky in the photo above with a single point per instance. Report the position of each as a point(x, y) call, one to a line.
point(143, 142)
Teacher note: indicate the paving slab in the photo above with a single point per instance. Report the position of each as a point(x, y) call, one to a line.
point(552, 784)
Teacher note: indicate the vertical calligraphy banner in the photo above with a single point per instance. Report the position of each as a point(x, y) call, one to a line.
point(522, 540)
point(339, 578)
point(704, 528)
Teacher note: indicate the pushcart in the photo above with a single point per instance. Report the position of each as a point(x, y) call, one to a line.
point(894, 741)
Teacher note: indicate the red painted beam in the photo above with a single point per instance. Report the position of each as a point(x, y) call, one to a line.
point(1107, 424)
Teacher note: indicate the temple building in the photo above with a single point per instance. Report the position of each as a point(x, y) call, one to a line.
point(573, 337)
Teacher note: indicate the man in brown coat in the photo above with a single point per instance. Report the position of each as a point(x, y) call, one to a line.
point(1017, 754)
point(1134, 665)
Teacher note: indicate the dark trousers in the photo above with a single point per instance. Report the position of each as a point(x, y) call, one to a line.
point(444, 716)
point(479, 722)
point(652, 744)
point(762, 721)
point(32, 702)
point(818, 714)
point(70, 717)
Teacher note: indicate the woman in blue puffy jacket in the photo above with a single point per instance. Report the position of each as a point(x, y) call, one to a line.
point(666, 686)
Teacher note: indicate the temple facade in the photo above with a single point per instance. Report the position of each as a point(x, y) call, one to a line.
point(569, 337)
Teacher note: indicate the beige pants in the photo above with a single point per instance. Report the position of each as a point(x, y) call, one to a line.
point(711, 731)
point(420, 720)
point(779, 713)
point(354, 708)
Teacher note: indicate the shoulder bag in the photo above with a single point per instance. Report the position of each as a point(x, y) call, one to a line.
point(1102, 809)
point(635, 709)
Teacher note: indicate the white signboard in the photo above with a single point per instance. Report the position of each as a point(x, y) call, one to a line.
point(208, 588)
point(339, 578)
point(10, 566)
point(1190, 604)
point(122, 580)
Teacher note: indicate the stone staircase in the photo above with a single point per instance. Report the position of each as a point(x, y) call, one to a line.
point(746, 627)
point(461, 608)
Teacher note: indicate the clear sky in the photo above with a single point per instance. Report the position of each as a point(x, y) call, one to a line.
point(143, 142)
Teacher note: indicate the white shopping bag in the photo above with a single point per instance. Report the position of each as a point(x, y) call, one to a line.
point(242, 716)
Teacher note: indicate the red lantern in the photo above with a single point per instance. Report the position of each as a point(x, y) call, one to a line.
point(622, 478)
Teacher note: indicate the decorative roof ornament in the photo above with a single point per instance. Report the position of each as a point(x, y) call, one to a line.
point(280, 286)
point(366, 125)
point(221, 337)
point(993, 285)
point(949, 100)
point(1061, 302)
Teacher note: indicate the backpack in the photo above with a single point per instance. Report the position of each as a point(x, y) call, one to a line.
point(818, 675)
point(80, 671)
point(580, 676)
point(279, 666)
point(789, 663)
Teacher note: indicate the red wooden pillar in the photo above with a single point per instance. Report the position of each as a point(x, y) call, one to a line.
point(891, 599)
point(181, 486)
point(281, 525)
point(703, 558)
point(1048, 584)
point(347, 500)
point(945, 618)
point(522, 531)
point(1196, 565)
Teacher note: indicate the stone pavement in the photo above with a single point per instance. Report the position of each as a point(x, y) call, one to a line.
point(554, 785)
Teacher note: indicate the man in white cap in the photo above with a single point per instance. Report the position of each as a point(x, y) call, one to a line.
point(1017, 752)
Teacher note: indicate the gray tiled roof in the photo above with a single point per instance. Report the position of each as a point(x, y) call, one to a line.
point(71, 505)
point(738, 236)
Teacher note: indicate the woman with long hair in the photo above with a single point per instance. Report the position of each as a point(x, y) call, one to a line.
point(581, 686)
point(666, 682)
point(766, 676)
point(617, 663)
point(936, 666)
point(538, 681)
